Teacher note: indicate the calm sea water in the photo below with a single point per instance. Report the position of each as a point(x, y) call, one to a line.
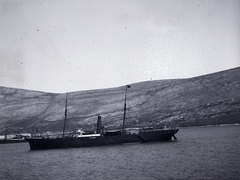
point(199, 153)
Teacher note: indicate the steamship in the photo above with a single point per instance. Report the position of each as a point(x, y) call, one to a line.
point(101, 137)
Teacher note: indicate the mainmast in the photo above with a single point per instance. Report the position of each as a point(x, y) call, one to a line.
point(65, 119)
point(124, 115)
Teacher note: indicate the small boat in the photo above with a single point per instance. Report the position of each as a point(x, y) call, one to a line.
point(102, 137)
point(17, 139)
point(8, 141)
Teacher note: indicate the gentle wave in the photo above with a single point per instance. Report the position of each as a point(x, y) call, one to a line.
point(199, 153)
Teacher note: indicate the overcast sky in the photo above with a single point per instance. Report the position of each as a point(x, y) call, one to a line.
point(73, 45)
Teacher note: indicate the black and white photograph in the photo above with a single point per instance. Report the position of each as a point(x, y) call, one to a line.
point(119, 89)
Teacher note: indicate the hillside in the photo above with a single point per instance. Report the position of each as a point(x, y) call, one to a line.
point(205, 100)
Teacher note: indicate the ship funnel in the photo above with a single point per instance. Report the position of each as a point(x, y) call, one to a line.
point(99, 124)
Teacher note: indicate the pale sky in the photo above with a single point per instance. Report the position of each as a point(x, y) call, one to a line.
point(73, 45)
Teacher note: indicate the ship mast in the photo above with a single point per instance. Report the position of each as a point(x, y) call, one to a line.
point(65, 119)
point(124, 115)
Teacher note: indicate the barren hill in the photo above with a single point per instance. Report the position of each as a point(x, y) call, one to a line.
point(205, 100)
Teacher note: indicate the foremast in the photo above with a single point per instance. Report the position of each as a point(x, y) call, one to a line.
point(65, 119)
point(125, 107)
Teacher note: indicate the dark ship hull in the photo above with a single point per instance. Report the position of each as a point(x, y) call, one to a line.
point(101, 140)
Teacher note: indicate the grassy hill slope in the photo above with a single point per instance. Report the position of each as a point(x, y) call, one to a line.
point(206, 100)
